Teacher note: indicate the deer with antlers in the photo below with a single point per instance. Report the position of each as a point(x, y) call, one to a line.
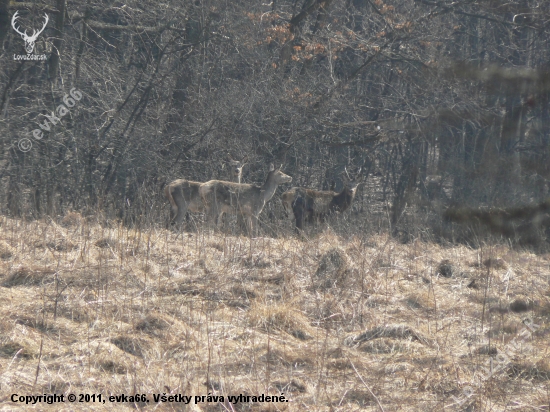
point(243, 199)
point(184, 196)
point(29, 40)
point(312, 206)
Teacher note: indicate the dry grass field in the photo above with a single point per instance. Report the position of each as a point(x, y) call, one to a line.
point(333, 323)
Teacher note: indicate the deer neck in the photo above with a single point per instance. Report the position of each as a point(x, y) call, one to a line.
point(268, 188)
point(344, 198)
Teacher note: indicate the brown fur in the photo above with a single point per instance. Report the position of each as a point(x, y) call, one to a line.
point(184, 196)
point(312, 206)
point(248, 200)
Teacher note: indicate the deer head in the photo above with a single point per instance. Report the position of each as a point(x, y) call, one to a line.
point(29, 40)
point(352, 183)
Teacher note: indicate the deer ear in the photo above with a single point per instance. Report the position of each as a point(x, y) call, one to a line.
point(244, 159)
point(271, 167)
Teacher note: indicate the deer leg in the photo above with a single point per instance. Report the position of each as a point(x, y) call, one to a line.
point(219, 219)
point(180, 209)
point(253, 226)
point(298, 208)
point(241, 224)
point(173, 214)
point(249, 224)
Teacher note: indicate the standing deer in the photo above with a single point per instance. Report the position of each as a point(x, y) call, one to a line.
point(184, 196)
point(314, 205)
point(244, 199)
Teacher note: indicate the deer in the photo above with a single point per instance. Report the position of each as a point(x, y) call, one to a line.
point(245, 200)
point(310, 206)
point(184, 196)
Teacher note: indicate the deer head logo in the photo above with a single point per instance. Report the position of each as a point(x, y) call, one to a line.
point(29, 40)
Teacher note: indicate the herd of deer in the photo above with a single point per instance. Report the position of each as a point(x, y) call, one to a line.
point(216, 197)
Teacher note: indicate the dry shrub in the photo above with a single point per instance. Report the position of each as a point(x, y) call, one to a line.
point(28, 276)
point(279, 316)
point(6, 251)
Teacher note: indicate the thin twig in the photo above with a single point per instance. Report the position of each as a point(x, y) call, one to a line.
point(366, 386)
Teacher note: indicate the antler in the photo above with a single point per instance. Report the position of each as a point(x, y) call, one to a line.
point(35, 33)
point(347, 174)
point(13, 21)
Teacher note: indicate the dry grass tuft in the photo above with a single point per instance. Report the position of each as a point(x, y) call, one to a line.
point(130, 344)
point(486, 350)
point(521, 305)
point(6, 251)
point(106, 242)
point(360, 397)
point(539, 371)
point(495, 263)
point(279, 317)
point(331, 270)
point(72, 219)
point(61, 245)
point(155, 324)
point(29, 276)
point(256, 262)
point(447, 269)
point(390, 331)
point(384, 345)
point(292, 386)
point(422, 300)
